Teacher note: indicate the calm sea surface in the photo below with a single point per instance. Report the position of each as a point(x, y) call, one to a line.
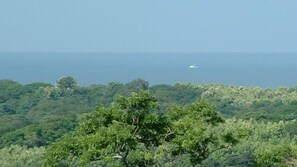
point(248, 69)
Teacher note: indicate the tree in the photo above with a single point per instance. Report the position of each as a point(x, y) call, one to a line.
point(67, 83)
point(125, 132)
point(131, 133)
point(191, 132)
point(66, 86)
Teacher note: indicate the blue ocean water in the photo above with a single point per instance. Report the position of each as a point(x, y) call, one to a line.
point(248, 69)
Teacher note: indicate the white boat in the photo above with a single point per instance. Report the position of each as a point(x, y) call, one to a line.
point(193, 66)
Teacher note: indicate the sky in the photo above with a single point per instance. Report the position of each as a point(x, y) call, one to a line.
point(148, 26)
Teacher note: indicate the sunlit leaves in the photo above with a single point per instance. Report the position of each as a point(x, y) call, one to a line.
point(21, 156)
point(260, 144)
point(131, 133)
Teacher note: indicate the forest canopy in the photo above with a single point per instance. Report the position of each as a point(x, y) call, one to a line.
point(137, 124)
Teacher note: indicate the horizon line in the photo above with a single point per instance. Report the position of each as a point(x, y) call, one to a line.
point(152, 52)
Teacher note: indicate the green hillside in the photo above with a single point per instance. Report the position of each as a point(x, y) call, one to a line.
point(207, 125)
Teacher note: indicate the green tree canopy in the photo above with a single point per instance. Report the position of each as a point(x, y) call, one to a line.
point(68, 82)
point(16, 155)
point(131, 133)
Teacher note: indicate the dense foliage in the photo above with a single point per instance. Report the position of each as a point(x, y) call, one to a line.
point(37, 115)
point(131, 133)
point(21, 156)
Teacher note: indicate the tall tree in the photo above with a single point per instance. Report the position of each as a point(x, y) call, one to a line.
point(65, 83)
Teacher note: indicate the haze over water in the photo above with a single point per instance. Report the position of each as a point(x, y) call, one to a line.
point(248, 69)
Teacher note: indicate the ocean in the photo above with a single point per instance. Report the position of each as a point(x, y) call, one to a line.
point(267, 70)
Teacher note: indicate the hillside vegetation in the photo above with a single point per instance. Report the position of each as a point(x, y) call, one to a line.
point(178, 125)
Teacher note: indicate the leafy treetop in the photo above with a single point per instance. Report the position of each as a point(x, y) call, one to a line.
point(131, 133)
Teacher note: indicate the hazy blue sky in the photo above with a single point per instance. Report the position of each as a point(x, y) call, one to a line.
point(148, 25)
